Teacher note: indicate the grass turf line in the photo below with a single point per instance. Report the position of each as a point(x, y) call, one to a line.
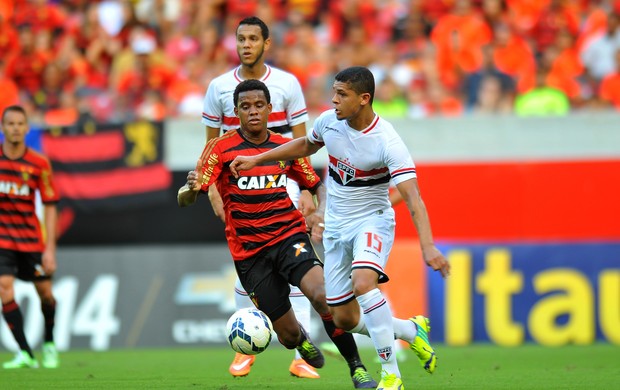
point(472, 367)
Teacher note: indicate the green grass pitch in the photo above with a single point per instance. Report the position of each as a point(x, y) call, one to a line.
point(473, 367)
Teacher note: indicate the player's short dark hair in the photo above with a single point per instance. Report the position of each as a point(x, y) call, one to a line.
point(359, 78)
point(14, 108)
point(254, 21)
point(251, 85)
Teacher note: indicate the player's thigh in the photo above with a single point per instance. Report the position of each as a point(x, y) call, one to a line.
point(8, 262)
point(337, 271)
point(296, 258)
point(372, 244)
point(30, 266)
point(267, 289)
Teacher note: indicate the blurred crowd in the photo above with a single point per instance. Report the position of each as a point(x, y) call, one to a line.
point(115, 60)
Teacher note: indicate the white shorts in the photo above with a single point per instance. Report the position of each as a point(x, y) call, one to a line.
point(365, 244)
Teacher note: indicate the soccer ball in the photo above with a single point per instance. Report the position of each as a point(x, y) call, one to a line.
point(249, 331)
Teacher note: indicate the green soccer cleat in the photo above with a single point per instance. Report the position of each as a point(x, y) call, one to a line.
point(362, 379)
point(22, 360)
point(310, 352)
point(390, 382)
point(50, 356)
point(421, 346)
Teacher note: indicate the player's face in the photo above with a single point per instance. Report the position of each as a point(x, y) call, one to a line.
point(253, 112)
point(250, 44)
point(347, 103)
point(14, 127)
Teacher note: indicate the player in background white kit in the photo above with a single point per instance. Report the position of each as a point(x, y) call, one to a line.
point(365, 153)
point(288, 117)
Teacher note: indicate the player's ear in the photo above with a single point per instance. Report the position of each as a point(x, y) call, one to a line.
point(267, 43)
point(364, 98)
point(270, 107)
point(236, 112)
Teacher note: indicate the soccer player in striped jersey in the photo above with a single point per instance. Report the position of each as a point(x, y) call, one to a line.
point(266, 234)
point(365, 153)
point(288, 118)
point(23, 251)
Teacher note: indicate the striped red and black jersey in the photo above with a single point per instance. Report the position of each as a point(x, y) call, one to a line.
point(259, 212)
point(20, 229)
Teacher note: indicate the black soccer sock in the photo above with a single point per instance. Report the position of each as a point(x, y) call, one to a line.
point(49, 314)
point(344, 342)
point(15, 321)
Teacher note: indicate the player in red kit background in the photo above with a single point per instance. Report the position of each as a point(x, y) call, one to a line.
point(25, 252)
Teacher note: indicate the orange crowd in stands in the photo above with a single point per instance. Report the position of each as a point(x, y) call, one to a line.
point(117, 60)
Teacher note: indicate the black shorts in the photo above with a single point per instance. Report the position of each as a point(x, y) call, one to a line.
point(267, 275)
point(23, 265)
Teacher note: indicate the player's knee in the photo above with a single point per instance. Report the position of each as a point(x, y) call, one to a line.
point(317, 299)
point(361, 286)
point(363, 280)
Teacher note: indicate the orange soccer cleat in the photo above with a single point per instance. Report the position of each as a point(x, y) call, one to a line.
point(241, 364)
point(301, 369)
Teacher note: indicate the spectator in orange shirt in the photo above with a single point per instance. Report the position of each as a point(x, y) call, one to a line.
point(26, 66)
point(459, 37)
point(145, 80)
point(513, 56)
point(610, 87)
point(42, 15)
point(10, 92)
point(9, 42)
point(524, 14)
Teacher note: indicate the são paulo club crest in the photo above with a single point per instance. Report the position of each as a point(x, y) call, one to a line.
point(346, 172)
point(385, 353)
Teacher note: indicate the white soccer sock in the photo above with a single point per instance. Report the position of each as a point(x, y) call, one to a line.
point(404, 330)
point(378, 320)
point(301, 307)
point(242, 299)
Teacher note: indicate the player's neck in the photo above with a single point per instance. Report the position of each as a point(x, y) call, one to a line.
point(12, 150)
point(255, 72)
point(255, 138)
point(361, 120)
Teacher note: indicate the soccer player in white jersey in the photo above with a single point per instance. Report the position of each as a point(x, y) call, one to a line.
point(365, 153)
point(288, 117)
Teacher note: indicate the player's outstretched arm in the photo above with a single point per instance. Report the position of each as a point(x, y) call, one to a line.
point(432, 256)
point(188, 194)
point(297, 148)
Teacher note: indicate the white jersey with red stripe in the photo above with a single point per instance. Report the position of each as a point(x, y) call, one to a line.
point(287, 99)
point(361, 166)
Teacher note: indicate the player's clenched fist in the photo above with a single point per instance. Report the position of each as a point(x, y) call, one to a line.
point(188, 193)
point(242, 163)
point(194, 178)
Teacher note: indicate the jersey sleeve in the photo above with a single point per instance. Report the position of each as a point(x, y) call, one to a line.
point(212, 109)
point(399, 161)
point(316, 134)
point(46, 185)
point(212, 165)
point(296, 110)
point(302, 172)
